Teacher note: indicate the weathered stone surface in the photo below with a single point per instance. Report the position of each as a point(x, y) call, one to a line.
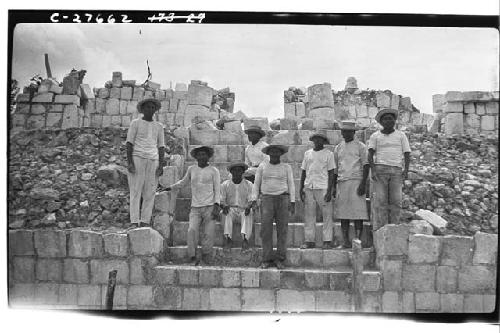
point(113, 106)
point(256, 121)
point(24, 269)
point(257, 300)
point(486, 248)
point(438, 223)
point(391, 302)
point(469, 108)
point(195, 299)
point(250, 278)
point(292, 280)
point(68, 294)
point(22, 294)
point(337, 301)
point(383, 100)
point(85, 243)
point(316, 280)
point(188, 276)
point(362, 110)
point(419, 277)
point(162, 224)
point(225, 299)
point(113, 174)
point(453, 107)
point(76, 271)
point(116, 244)
point(293, 300)
point(18, 120)
point(46, 293)
point(371, 302)
point(100, 268)
point(141, 296)
point(370, 281)
point(165, 201)
point(201, 95)
point(35, 122)
point(454, 96)
point(487, 123)
point(67, 99)
point(38, 109)
point(209, 277)
point(427, 301)
point(44, 98)
point(117, 80)
point(70, 117)
point(408, 302)
point(476, 279)
point(456, 250)
point(86, 92)
point(231, 278)
point(447, 279)
point(489, 303)
point(423, 249)
point(452, 303)
point(392, 273)
point(50, 243)
point(53, 120)
point(145, 241)
point(269, 279)
point(492, 108)
point(203, 137)
point(391, 240)
point(89, 296)
point(49, 270)
point(454, 123)
point(420, 227)
point(473, 303)
point(21, 243)
point(320, 95)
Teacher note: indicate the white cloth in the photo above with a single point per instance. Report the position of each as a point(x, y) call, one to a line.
point(205, 185)
point(274, 179)
point(254, 156)
point(313, 197)
point(246, 222)
point(236, 195)
point(147, 137)
point(316, 164)
point(142, 182)
point(350, 158)
point(389, 148)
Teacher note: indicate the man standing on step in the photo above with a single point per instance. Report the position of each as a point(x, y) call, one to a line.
point(316, 183)
point(253, 152)
point(386, 150)
point(351, 173)
point(145, 157)
point(274, 184)
point(205, 203)
point(235, 201)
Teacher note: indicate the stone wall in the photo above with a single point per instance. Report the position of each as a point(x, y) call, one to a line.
point(319, 106)
point(468, 112)
point(115, 105)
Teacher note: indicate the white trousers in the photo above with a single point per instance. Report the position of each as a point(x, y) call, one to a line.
point(246, 222)
point(142, 183)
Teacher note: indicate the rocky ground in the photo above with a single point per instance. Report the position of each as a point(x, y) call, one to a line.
point(77, 178)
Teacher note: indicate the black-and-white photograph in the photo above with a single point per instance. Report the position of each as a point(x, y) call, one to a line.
point(193, 162)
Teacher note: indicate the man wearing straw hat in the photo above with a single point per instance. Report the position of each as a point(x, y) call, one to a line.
point(253, 152)
point(205, 203)
point(387, 149)
point(145, 156)
point(316, 183)
point(351, 173)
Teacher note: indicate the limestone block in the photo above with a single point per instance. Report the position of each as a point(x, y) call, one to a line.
point(456, 250)
point(235, 153)
point(179, 87)
point(188, 276)
point(209, 277)
point(371, 281)
point(233, 126)
point(352, 111)
point(86, 92)
point(160, 95)
point(293, 300)
point(138, 93)
point(140, 296)
point(116, 121)
point(181, 95)
point(100, 105)
point(486, 248)
point(67, 99)
point(405, 103)
point(18, 120)
point(480, 108)
point(290, 110)
point(284, 138)
point(477, 96)
point(250, 278)
point(269, 279)
point(300, 109)
point(225, 299)
point(292, 280)
point(391, 302)
point(75, 271)
point(420, 227)
point(85, 243)
point(44, 98)
point(173, 105)
point(320, 95)
point(419, 277)
point(427, 301)
point(473, 303)
point(50, 243)
point(103, 93)
point(20, 98)
point(469, 108)
point(257, 300)
point(256, 121)
point(23, 108)
point(171, 298)
point(113, 106)
point(21, 242)
point(195, 299)
point(454, 96)
point(89, 107)
point(423, 249)
point(165, 202)
point(131, 107)
point(306, 124)
point(100, 268)
point(162, 224)
point(145, 241)
point(447, 279)
point(200, 95)
point(295, 153)
point(438, 102)
point(391, 240)
point(24, 269)
point(115, 244)
point(203, 137)
point(35, 122)
point(170, 176)
point(476, 279)
point(453, 107)
point(96, 120)
point(337, 301)
point(123, 107)
point(117, 80)
point(125, 121)
point(383, 100)
point(392, 273)
point(438, 223)
point(487, 123)
point(472, 121)
point(46, 294)
point(452, 303)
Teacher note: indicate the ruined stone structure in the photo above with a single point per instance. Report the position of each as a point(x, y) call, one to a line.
point(468, 112)
point(320, 107)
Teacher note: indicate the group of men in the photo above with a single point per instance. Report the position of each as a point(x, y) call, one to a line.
point(263, 184)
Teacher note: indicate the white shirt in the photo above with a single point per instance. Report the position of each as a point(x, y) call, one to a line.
point(389, 148)
point(254, 155)
point(236, 195)
point(350, 158)
point(205, 185)
point(316, 164)
point(147, 137)
point(274, 179)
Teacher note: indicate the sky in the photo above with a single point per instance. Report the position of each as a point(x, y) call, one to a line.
point(259, 62)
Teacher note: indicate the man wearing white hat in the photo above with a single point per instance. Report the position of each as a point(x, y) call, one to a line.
point(145, 156)
point(387, 149)
point(351, 173)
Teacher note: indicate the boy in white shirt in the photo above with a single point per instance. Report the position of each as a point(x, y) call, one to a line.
point(386, 150)
point(235, 201)
point(205, 202)
point(145, 156)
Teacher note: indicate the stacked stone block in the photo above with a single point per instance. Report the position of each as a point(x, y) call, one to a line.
point(468, 112)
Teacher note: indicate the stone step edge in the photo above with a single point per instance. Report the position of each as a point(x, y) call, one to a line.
point(337, 269)
point(293, 224)
point(219, 248)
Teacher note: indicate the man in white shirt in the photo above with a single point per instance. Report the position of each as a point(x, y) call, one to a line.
point(274, 184)
point(205, 202)
point(316, 184)
point(235, 202)
point(253, 152)
point(386, 150)
point(145, 156)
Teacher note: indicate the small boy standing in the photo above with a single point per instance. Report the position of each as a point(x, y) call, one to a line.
point(235, 201)
point(274, 184)
point(386, 150)
point(145, 156)
point(205, 202)
point(351, 173)
point(316, 184)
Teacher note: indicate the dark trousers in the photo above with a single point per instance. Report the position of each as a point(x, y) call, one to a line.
point(274, 208)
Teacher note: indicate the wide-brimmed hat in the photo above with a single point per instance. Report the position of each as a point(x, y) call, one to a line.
point(209, 150)
point(256, 129)
point(348, 125)
point(237, 164)
point(152, 100)
point(386, 111)
point(284, 149)
point(321, 135)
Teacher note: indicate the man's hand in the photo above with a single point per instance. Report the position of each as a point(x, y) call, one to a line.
point(328, 197)
point(225, 210)
point(302, 194)
point(292, 208)
point(216, 212)
point(253, 204)
point(247, 210)
point(131, 168)
point(334, 191)
point(167, 189)
point(361, 189)
point(159, 171)
point(405, 174)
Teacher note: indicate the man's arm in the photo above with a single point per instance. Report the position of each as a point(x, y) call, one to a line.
point(371, 152)
point(216, 186)
point(291, 188)
point(161, 161)
point(183, 181)
point(407, 165)
point(256, 184)
point(130, 158)
point(302, 180)
point(331, 177)
point(362, 186)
